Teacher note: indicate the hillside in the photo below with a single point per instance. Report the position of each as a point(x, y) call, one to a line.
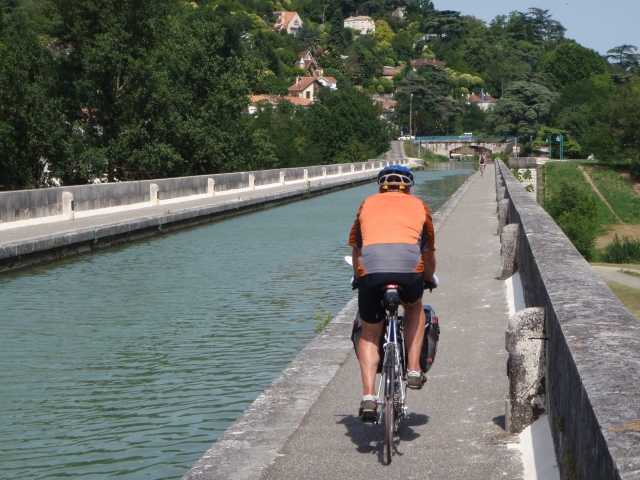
point(98, 90)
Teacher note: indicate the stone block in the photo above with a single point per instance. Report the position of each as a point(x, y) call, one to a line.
point(154, 194)
point(526, 367)
point(68, 205)
point(508, 250)
point(211, 190)
point(503, 214)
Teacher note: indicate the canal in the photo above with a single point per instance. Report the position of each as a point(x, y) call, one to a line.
point(130, 363)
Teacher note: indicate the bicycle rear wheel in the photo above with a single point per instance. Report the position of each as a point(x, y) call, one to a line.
point(389, 411)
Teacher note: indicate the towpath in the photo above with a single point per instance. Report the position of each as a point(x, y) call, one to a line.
point(455, 430)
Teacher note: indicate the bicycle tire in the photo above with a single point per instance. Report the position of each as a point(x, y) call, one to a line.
point(389, 411)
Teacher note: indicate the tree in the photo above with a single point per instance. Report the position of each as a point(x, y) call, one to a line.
point(615, 134)
point(576, 212)
point(434, 110)
point(307, 36)
point(345, 125)
point(625, 57)
point(32, 129)
point(524, 109)
point(571, 62)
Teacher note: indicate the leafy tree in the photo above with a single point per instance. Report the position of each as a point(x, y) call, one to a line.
point(523, 111)
point(345, 122)
point(571, 62)
point(576, 212)
point(32, 130)
point(615, 135)
point(307, 36)
point(624, 56)
point(433, 109)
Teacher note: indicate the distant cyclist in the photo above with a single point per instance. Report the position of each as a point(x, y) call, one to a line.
point(483, 163)
point(393, 243)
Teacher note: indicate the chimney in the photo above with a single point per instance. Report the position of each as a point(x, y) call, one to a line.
point(297, 79)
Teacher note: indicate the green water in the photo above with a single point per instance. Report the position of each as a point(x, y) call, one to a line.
point(132, 362)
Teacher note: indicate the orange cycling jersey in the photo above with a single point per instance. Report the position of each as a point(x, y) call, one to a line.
point(392, 229)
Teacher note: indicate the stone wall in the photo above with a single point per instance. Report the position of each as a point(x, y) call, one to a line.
point(37, 203)
point(593, 347)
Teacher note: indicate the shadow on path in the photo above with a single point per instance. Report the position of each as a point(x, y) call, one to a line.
point(370, 438)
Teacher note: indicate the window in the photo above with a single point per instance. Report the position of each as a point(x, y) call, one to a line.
point(309, 95)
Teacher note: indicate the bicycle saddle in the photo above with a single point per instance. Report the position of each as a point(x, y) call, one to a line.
point(391, 298)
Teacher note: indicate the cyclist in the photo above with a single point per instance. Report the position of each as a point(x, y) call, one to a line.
point(483, 163)
point(393, 243)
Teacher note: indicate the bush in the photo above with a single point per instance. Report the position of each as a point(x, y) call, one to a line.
point(575, 210)
point(625, 251)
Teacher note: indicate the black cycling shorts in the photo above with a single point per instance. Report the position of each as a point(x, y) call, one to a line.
point(370, 298)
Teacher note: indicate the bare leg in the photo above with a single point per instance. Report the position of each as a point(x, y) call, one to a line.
point(414, 322)
point(368, 355)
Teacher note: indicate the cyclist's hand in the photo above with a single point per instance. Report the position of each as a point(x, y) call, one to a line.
point(354, 284)
point(433, 284)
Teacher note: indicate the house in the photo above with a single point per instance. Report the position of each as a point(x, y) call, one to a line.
point(308, 63)
point(256, 100)
point(389, 72)
point(306, 87)
point(289, 22)
point(386, 104)
point(484, 100)
point(330, 82)
point(361, 23)
point(423, 62)
point(399, 13)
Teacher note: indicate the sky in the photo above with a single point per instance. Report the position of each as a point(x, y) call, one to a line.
point(597, 24)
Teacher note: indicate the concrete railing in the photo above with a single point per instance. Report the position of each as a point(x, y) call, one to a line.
point(593, 347)
point(28, 204)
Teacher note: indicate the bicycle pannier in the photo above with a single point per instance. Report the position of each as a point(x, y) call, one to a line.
point(431, 337)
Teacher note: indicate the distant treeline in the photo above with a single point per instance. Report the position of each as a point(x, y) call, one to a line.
point(113, 90)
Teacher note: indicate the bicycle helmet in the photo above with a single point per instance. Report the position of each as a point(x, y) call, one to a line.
point(395, 176)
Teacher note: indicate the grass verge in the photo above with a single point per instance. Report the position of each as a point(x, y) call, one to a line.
point(620, 190)
point(629, 296)
point(555, 173)
point(411, 150)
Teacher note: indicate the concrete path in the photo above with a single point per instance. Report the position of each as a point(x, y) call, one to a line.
point(614, 274)
point(455, 430)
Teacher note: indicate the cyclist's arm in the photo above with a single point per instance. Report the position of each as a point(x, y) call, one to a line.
point(355, 255)
point(429, 260)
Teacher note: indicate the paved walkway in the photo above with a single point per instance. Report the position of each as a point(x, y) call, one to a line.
point(614, 274)
point(455, 430)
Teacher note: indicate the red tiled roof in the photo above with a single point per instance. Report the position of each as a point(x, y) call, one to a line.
point(299, 101)
point(391, 71)
point(421, 62)
point(283, 21)
point(302, 84)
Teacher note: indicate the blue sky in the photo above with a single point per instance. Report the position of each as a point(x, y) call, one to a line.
point(597, 24)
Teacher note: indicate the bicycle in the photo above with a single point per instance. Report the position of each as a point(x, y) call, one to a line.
point(394, 365)
point(394, 369)
point(482, 166)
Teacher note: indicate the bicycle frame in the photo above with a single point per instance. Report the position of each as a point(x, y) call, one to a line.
point(394, 356)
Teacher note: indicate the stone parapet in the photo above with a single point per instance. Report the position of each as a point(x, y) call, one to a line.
point(45, 202)
point(593, 391)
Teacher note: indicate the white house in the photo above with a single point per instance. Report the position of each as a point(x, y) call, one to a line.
point(362, 23)
point(290, 22)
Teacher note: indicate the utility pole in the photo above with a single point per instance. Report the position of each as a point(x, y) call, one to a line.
point(410, 115)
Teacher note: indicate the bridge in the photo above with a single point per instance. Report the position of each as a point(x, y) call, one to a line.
point(461, 148)
point(464, 423)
